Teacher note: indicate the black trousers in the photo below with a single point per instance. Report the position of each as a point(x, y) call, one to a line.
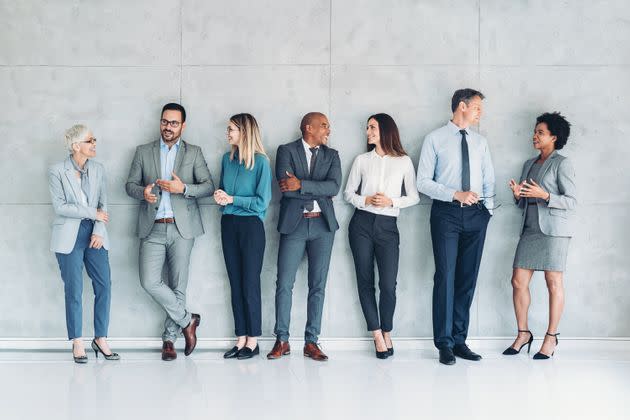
point(243, 239)
point(458, 235)
point(375, 236)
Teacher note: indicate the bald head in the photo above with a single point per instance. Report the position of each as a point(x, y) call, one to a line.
point(315, 128)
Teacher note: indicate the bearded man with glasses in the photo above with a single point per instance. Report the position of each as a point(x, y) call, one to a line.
point(168, 176)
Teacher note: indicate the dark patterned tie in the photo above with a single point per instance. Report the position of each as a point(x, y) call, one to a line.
point(311, 204)
point(465, 163)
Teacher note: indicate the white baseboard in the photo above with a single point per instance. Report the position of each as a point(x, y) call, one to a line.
point(337, 343)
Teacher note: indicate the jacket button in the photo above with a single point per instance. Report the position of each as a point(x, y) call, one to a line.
point(156, 208)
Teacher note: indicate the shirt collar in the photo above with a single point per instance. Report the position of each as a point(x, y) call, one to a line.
point(453, 128)
point(307, 147)
point(164, 146)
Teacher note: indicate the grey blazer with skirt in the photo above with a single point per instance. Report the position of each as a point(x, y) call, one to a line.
point(557, 177)
point(65, 192)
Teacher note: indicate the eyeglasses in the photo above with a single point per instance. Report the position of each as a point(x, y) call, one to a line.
point(91, 141)
point(173, 123)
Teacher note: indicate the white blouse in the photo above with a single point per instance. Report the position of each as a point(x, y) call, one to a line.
point(384, 174)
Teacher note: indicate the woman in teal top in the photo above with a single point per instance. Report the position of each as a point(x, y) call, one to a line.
point(244, 192)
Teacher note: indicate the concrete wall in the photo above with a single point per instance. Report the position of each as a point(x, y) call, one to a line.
point(112, 65)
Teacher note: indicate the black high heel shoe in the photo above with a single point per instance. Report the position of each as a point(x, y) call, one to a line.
point(543, 356)
point(381, 354)
point(97, 350)
point(511, 351)
point(79, 359)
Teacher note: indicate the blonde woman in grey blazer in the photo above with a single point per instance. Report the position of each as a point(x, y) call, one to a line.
point(546, 193)
point(79, 237)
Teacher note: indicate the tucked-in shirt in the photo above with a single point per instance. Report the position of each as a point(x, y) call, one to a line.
point(384, 174)
point(167, 163)
point(251, 188)
point(307, 151)
point(440, 165)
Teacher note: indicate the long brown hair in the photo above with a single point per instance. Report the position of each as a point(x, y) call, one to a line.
point(390, 139)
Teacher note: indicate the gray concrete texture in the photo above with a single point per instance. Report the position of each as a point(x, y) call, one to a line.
point(113, 65)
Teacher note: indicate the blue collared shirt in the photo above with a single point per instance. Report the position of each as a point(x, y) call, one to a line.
point(440, 165)
point(167, 164)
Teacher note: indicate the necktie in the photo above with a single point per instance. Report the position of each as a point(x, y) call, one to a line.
point(311, 204)
point(465, 163)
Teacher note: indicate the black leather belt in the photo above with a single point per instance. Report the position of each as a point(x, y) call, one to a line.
point(165, 220)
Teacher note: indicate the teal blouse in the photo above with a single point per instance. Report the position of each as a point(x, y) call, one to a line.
point(251, 188)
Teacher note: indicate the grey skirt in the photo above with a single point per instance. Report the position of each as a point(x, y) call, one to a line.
point(537, 251)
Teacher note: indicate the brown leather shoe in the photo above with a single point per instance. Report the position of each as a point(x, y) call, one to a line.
point(168, 351)
point(190, 335)
point(313, 351)
point(281, 348)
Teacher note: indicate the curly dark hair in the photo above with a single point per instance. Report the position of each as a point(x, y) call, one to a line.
point(557, 125)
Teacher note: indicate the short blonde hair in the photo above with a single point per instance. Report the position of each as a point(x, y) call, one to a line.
point(251, 140)
point(75, 134)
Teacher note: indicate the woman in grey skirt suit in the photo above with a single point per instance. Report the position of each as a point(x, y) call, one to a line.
point(546, 193)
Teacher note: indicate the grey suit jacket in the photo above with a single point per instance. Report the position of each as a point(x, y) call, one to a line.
point(322, 187)
point(65, 191)
point(557, 177)
point(190, 167)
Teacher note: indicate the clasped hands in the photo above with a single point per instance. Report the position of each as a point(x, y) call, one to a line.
point(378, 200)
point(529, 189)
point(222, 198)
point(175, 186)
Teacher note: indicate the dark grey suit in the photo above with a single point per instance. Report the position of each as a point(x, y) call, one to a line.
point(170, 242)
point(299, 234)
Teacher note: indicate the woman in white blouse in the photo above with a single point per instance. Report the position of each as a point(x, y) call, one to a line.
point(375, 188)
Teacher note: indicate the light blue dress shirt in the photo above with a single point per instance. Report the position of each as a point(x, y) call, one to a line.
point(167, 163)
point(440, 165)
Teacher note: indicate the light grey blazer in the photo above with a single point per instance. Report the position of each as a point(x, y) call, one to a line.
point(557, 177)
point(190, 167)
point(65, 192)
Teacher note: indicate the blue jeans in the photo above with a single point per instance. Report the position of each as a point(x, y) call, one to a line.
point(97, 266)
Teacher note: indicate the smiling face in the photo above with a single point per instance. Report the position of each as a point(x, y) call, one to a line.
point(318, 130)
point(542, 138)
point(373, 132)
point(85, 148)
point(171, 126)
point(233, 134)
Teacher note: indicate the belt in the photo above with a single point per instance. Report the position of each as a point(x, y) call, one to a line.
point(312, 214)
point(456, 203)
point(165, 220)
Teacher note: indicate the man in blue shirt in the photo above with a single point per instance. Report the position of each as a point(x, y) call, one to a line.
point(455, 170)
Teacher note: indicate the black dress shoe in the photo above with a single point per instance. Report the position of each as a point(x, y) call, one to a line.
point(231, 353)
point(462, 351)
point(247, 353)
point(446, 356)
point(390, 351)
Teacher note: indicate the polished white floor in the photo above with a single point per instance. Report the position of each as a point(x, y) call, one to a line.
point(584, 380)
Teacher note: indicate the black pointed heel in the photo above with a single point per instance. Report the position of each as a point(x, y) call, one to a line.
point(97, 350)
point(511, 351)
point(543, 356)
point(381, 354)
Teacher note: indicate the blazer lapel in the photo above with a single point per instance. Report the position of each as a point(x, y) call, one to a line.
point(301, 157)
point(156, 159)
point(179, 157)
point(72, 179)
point(545, 167)
point(527, 168)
